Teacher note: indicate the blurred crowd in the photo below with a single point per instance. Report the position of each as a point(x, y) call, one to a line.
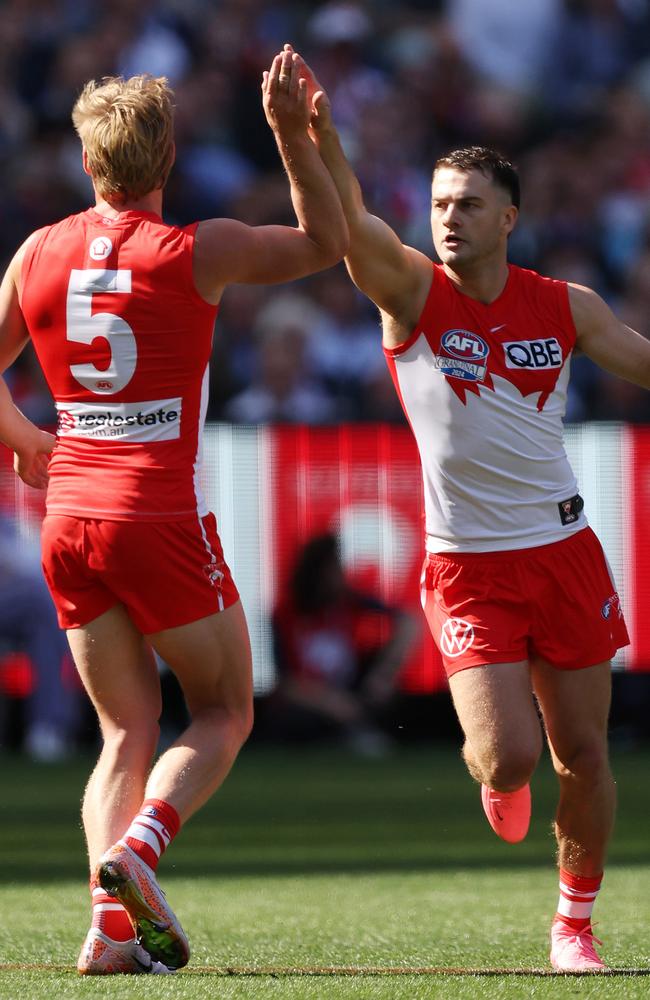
point(561, 86)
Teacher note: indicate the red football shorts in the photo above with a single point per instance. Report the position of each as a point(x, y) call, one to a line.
point(557, 602)
point(165, 573)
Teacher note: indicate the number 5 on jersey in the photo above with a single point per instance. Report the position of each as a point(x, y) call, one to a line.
point(83, 327)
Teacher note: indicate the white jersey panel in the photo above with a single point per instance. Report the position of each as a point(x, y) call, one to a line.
point(494, 466)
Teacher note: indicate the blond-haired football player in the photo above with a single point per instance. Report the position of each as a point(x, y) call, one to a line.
point(120, 307)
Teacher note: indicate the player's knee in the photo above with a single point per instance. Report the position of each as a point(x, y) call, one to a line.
point(511, 771)
point(240, 723)
point(231, 724)
point(586, 762)
point(131, 742)
point(245, 721)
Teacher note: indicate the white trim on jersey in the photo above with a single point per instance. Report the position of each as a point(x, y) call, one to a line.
point(201, 504)
point(494, 465)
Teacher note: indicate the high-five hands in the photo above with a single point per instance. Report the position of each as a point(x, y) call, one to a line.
point(284, 94)
point(292, 96)
point(320, 109)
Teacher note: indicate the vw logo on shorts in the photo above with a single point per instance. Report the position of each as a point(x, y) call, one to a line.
point(457, 635)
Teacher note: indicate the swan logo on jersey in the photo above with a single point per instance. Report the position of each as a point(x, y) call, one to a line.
point(457, 636)
point(464, 355)
point(153, 420)
point(611, 607)
point(66, 422)
point(101, 248)
point(533, 355)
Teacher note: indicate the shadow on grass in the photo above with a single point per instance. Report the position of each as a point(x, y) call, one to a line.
point(287, 813)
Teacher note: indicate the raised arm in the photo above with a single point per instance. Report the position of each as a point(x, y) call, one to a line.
point(393, 275)
point(606, 340)
point(229, 251)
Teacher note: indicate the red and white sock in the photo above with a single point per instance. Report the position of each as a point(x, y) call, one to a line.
point(152, 830)
point(110, 916)
point(577, 897)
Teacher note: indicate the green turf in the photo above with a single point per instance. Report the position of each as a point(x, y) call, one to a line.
point(313, 860)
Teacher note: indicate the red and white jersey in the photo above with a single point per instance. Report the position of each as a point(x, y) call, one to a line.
point(124, 340)
point(484, 389)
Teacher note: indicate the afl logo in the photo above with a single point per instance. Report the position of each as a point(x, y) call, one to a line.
point(464, 345)
point(463, 355)
point(101, 248)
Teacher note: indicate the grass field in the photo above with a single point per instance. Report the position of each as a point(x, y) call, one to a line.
point(315, 875)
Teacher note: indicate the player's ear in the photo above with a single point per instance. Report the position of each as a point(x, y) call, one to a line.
point(84, 160)
point(510, 218)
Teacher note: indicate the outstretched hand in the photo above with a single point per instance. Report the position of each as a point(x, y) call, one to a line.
point(284, 95)
point(320, 109)
point(31, 462)
point(293, 97)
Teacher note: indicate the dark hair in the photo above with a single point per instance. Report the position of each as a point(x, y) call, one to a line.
point(489, 162)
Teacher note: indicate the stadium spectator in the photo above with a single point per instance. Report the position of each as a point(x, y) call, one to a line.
point(516, 588)
point(283, 390)
point(342, 319)
point(341, 35)
point(28, 624)
point(130, 552)
point(338, 652)
point(506, 42)
point(592, 46)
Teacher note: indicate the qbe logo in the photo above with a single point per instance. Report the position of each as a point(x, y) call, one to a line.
point(463, 355)
point(533, 355)
point(457, 635)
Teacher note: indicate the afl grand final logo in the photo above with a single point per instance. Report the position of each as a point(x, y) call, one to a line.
point(456, 637)
point(462, 355)
point(101, 248)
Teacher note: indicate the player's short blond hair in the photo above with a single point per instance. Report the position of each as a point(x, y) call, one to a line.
point(127, 130)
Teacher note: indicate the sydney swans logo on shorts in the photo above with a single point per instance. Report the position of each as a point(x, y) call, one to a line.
point(213, 574)
point(457, 636)
point(153, 420)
